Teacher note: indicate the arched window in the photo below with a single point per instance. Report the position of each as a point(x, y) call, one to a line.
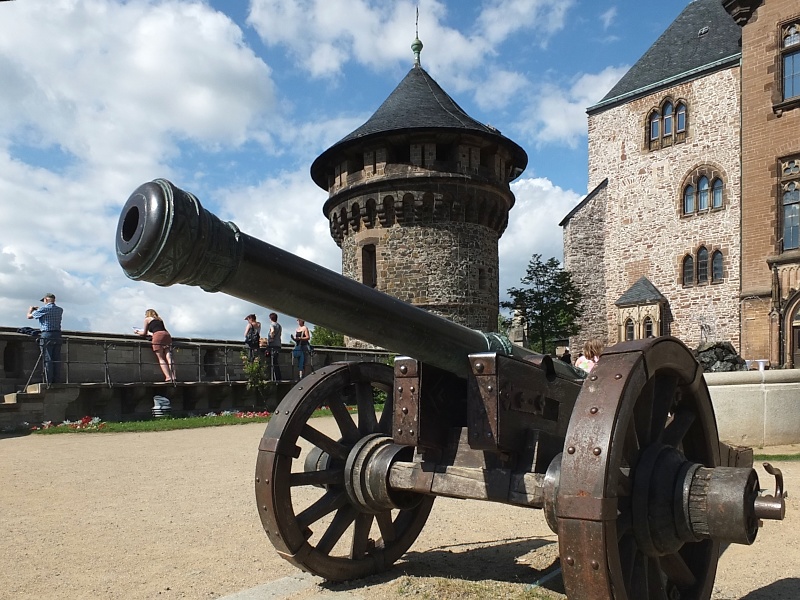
point(648, 327)
point(716, 266)
point(688, 200)
point(680, 118)
point(716, 194)
point(790, 198)
point(702, 265)
point(688, 270)
point(655, 120)
point(667, 119)
point(791, 61)
point(702, 193)
point(629, 330)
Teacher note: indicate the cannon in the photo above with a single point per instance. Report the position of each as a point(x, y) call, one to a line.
point(625, 463)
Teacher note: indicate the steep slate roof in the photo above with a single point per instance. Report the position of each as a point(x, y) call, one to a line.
point(641, 292)
point(681, 53)
point(418, 103)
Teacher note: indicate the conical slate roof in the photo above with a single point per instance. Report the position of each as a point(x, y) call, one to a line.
point(703, 38)
point(418, 103)
point(641, 292)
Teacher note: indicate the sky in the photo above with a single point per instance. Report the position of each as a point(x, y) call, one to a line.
point(233, 100)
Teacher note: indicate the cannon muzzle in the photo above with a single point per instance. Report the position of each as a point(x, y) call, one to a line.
point(165, 236)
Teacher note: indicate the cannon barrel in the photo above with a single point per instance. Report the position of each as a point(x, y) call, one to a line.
point(165, 236)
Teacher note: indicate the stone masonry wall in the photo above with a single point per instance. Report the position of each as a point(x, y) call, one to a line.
point(584, 249)
point(450, 269)
point(644, 229)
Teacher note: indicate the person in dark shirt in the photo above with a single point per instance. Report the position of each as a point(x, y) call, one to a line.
point(49, 317)
point(161, 342)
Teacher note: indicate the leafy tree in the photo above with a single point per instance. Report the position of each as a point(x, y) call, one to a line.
point(549, 304)
point(322, 336)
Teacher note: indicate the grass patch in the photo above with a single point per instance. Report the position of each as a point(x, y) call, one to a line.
point(759, 458)
point(442, 588)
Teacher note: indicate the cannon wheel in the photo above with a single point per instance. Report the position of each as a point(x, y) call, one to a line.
point(640, 394)
point(296, 498)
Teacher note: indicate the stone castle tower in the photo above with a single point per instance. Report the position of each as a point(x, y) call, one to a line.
point(418, 197)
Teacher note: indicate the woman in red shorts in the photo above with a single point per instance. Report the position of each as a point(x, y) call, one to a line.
point(161, 341)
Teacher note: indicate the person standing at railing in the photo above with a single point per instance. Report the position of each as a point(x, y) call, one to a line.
point(161, 342)
point(274, 345)
point(49, 317)
point(252, 335)
point(302, 348)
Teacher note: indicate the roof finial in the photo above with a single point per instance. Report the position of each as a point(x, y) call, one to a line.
point(416, 45)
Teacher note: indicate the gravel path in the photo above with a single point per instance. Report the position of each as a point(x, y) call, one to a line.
point(172, 515)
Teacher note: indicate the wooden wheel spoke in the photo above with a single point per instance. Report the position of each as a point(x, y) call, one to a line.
point(320, 440)
point(367, 419)
point(663, 397)
point(331, 501)
point(643, 414)
point(676, 430)
point(345, 421)
point(341, 521)
point(638, 578)
point(624, 483)
point(631, 447)
point(386, 525)
point(655, 580)
point(361, 535)
point(385, 423)
point(678, 571)
point(324, 477)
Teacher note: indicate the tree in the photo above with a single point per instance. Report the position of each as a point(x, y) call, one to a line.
point(322, 336)
point(549, 304)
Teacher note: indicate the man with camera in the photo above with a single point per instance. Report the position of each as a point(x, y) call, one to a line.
point(49, 316)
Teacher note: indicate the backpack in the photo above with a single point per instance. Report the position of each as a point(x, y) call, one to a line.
point(251, 339)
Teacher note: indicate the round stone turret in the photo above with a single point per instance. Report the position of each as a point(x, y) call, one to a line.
point(418, 197)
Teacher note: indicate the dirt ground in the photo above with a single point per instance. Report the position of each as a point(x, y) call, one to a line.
point(172, 515)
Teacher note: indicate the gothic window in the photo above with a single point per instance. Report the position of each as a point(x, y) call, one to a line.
point(716, 194)
point(667, 119)
point(702, 193)
point(666, 125)
point(688, 200)
point(790, 53)
point(716, 267)
point(790, 198)
point(688, 270)
point(702, 265)
point(629, 329)
point(655, 128)
point(648, 327)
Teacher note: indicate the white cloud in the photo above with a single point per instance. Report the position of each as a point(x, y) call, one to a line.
point(499, 89)
point(501, 18)
point(608, 17)
point(533, 227)
point(558, 115)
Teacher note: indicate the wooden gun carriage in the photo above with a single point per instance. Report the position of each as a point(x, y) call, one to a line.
point(626, 464)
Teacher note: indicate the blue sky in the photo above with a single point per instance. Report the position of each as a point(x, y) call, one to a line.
point(233, 100)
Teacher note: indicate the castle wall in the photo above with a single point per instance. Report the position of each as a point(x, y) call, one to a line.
point(644, 229)
point(770, 134)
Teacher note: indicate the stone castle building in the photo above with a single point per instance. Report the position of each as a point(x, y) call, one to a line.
point(418, 197)
point(693, 159)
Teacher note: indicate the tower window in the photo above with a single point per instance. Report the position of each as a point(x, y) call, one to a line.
point(688, 270)
point(369, 265)
point(716, 267)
